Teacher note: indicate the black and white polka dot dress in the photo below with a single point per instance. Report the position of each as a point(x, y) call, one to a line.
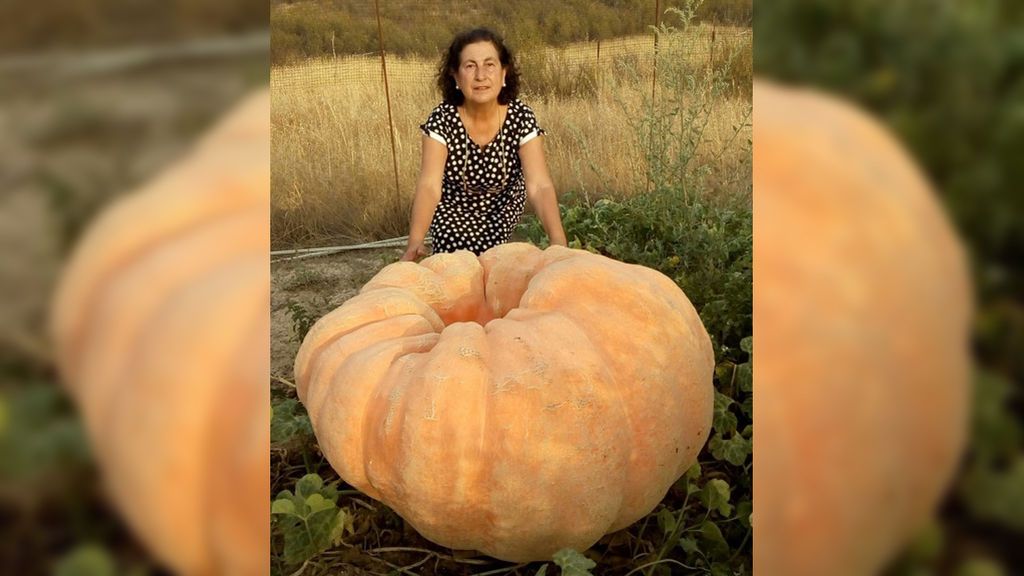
point(483, 192)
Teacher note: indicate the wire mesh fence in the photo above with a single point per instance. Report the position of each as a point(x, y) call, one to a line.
point(543, 67)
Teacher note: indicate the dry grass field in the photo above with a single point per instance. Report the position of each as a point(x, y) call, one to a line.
point(332, 166)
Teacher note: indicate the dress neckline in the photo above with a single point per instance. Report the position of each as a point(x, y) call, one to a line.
point(465, 131)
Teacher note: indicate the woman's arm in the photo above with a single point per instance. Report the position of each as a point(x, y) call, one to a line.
point(428, 194)
point(540, 191)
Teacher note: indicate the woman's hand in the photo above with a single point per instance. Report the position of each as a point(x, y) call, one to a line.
point(426, 198)
point(414, 252)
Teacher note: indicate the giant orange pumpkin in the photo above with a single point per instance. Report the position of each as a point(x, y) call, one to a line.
point(515, 403)
point(861, 317)
point(162, 329)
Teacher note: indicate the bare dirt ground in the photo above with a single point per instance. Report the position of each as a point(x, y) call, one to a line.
point(305, 290)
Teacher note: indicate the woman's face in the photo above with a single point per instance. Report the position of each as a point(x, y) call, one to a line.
point(480, 75)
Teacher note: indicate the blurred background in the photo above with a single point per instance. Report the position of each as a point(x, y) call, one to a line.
point(96, 97)
point(947, 76)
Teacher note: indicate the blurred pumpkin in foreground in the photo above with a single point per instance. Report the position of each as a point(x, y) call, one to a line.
point(862, 309)
point(516, 403)
point(161, 324)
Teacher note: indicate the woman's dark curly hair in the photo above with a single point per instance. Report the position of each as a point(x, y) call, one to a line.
point(450, 65)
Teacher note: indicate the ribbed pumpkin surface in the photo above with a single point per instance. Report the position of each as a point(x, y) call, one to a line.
point(515, 403)
point(162, 328)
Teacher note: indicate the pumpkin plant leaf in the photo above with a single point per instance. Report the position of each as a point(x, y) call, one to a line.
point(542, 571)
point(687, 481)
point(349, 523)
point(747, 345)
point(997, 433)
point(317, 503)
point(305, 538)
point(309, 520)
point(724, 421)
point(689, 545)
point(693, 473)
point(287, 503)
point(715, 496)
point(979, 567)
point(342, 522)
point(714, 543)
point(308, 484)
point(282, 506)
point(666, 521)
point(745, 377)
point(996, 494)
point(723, 371)
point(721, 569)
point(288, 420)
point(330, 491)
point(748, 406)
point(86, 560)
point(743, 510)
point(573, 563)
point(927, 544)
point(734, 450)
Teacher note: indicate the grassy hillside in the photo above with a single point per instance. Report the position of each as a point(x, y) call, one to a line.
point(307, 29)
point(59, 24)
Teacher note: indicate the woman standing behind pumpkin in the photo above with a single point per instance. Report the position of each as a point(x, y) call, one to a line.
point(482, 158)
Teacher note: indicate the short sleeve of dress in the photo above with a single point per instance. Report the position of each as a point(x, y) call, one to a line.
point(437, 125)
point(527, 125)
